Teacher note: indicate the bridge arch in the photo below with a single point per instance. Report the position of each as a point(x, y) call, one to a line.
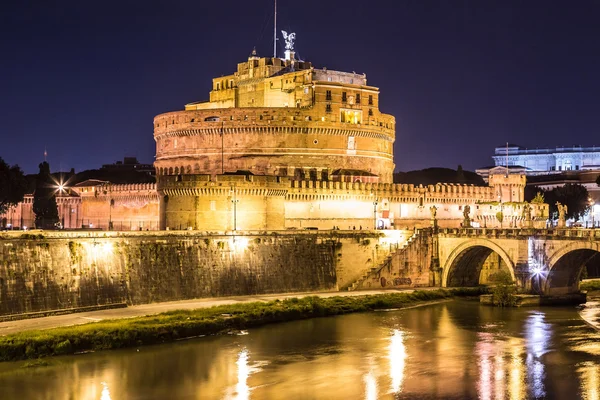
point(464, 264)
point(566, 264)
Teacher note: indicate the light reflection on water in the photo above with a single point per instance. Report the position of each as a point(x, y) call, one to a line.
point(452, 350)
point(537, 334)
point(397, 357)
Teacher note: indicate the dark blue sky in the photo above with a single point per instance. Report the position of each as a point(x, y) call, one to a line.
point(85, 78)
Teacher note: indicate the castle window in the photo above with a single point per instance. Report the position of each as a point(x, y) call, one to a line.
point(370, 112)
point(192, 120)
point(328, 95)
point(344, 98)
point(328, 108)
point(260, 117)
point(305, 90)
point(357, 100)
point(351, 116)
point(218, 85)
point(328, 79)
point(213, 205)
point(370, 99)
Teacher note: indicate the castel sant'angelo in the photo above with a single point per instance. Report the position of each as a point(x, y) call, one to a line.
point(282, 144)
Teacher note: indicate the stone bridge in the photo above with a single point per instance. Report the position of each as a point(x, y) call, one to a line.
point(545, 261)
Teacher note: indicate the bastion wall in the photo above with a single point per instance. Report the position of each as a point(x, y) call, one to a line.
point(42, 271)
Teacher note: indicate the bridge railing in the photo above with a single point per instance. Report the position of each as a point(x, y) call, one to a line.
point(516, 232)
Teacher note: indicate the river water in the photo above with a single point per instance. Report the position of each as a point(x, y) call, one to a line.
point(452, 350)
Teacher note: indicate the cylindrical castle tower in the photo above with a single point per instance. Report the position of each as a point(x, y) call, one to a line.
point(283, 118)
point(274, 117)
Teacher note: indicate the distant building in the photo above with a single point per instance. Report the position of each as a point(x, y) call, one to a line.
point(545, 161)
point(551, 168)
point(129, 164)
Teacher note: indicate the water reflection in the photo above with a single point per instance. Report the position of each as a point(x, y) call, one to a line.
point(516, 380)
point(589, 380)
point(105, 392)
point(370, 380)
point(242, 389)
point(397, 357)
point(537, 333)
point(457, 351)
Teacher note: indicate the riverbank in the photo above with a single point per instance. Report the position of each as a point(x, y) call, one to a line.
point(185, 324)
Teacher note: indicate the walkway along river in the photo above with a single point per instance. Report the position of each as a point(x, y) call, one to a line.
point(455, 350)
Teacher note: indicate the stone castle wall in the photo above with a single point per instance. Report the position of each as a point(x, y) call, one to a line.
point(228, 202)
point(271, 141)
point(56, 270)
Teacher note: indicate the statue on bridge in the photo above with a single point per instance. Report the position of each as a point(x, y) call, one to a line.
point(527, 216)
point(467, 220)
point(433, 211)
point(562, 212)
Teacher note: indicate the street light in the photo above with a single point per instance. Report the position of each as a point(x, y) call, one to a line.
point(234, 201)
point(375, 214)
point(592, 205)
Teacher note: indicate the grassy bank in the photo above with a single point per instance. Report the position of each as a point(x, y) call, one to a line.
point(590, 285)
point(174, 325)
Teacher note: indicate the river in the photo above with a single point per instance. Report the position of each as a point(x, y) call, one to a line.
point(452, 350)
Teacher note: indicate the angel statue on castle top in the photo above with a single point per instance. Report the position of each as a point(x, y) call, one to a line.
point(289, 40)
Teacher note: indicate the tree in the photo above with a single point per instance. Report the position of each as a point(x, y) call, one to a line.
point(573, 195)
point(44, 199)
point(13, 186)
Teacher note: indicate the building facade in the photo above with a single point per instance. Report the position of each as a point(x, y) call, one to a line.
point(284, 145)
point(547, 161)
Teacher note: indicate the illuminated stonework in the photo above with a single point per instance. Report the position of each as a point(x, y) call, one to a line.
point(282, 118)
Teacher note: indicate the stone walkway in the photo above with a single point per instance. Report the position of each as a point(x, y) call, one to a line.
point(55, 321)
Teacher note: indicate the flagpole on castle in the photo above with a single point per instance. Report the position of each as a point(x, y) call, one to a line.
point(275, 33)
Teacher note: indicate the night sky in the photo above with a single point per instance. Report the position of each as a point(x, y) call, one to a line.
point(85, 78)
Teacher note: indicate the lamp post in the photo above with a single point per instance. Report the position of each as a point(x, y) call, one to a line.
point(234, 200)
point(375, 214)
point(592, 204)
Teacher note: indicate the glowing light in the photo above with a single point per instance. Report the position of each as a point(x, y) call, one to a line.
point(397, 356)
point(105, 395)
point(484, 350)
point(242, 389)
point(536, 270)
point(589, 382)
point(538, 334)
point(24, 228)
point(370, 386)
point(516, 377)
point(239, 244)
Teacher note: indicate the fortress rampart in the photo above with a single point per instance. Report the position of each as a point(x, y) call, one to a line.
point(272, 141)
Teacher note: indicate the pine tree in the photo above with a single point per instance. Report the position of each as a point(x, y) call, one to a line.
point(44, 199)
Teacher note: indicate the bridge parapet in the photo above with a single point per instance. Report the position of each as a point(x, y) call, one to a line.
point(521, 233)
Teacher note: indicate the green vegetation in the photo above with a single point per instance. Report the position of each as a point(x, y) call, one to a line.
point(504, 290)
point(538, 199)
point(500, 216)
point(13, 186)
point(573, 195)
point(170, 326)
point(590, 285)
